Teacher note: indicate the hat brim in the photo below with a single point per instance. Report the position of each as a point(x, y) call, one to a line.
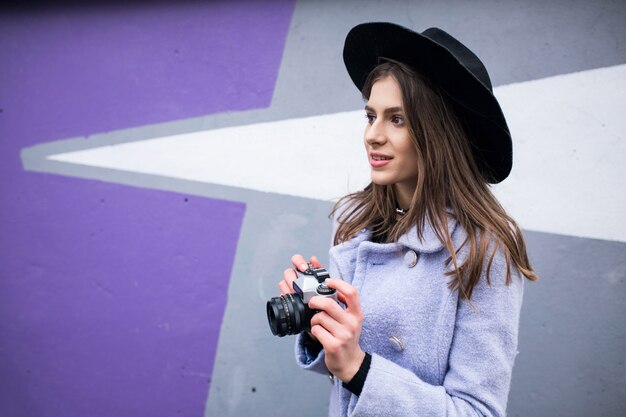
point(368, 43)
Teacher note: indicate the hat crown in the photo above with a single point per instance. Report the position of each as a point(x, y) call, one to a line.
point(463, 54)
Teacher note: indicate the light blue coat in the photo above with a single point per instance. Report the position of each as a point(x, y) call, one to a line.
point(433, 354)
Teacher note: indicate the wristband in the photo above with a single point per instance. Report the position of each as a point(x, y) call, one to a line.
point(355, 385)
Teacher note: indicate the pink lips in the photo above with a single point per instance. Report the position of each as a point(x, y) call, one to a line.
point(378, 160)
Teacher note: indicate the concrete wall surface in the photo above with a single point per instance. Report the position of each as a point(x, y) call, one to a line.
point(161, 162)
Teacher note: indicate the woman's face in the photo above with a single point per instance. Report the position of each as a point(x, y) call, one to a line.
point(391, 153)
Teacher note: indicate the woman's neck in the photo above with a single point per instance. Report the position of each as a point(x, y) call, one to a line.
point(404, 195)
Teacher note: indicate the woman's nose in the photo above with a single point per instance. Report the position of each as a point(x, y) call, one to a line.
point(374, 134)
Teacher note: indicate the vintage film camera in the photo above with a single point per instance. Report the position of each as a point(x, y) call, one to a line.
point(290, 313)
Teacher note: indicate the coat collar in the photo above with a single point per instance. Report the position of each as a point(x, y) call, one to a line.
point(429, 244)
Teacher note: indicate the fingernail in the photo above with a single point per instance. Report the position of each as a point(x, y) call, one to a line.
point(303, 267)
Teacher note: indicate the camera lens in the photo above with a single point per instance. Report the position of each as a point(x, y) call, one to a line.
point(287, 314)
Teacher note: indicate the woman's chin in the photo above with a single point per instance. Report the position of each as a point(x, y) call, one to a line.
point(381, 179)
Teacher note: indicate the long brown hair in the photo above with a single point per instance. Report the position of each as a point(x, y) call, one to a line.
point(448, 178)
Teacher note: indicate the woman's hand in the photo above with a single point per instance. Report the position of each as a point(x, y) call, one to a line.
point(339, 330)
point(289, 275)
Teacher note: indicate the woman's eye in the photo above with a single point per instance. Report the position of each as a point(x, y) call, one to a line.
point(370, 118)
point(397, 120)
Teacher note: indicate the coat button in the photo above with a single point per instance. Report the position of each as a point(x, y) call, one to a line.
point(397, 344)
point(410, 258)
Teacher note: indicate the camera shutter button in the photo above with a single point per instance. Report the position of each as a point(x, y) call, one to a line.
point(322, 289)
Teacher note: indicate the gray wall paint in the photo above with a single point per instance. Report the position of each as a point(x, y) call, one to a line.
point(517, 41)
point(572, 331)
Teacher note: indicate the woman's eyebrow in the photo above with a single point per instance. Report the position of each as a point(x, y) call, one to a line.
point(387, 111)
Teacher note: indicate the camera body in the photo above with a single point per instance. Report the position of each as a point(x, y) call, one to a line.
point(311, 283)
point(290, 313)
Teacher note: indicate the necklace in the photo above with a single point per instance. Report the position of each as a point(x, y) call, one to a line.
point(400, 211)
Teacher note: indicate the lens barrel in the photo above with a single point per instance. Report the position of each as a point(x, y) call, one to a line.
point(287, 315)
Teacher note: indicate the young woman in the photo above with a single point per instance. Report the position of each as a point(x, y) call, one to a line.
point(429, 266)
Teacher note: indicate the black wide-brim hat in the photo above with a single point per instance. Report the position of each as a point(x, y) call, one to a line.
point(451, 66)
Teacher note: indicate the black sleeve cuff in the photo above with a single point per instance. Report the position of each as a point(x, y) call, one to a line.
point(312, 346)
point(355, 385)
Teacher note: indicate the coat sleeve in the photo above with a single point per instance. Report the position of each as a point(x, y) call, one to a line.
point(478, 372)
point(306, 360)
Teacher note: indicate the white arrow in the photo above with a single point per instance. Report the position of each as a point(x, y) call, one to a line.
point(568, 175)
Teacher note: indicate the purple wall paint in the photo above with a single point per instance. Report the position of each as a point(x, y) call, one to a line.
point(111, 297)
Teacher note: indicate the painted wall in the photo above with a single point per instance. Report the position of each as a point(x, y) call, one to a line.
point(161, 162)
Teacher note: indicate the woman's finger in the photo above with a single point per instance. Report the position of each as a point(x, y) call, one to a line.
point(326, 321)
point(341, 298)
point(315, 262)
point(299, 262)
point(323, 336)
point(302, 265)
point(286, 285)
point(350, 294)
point(329, 306)
point(284, 288)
